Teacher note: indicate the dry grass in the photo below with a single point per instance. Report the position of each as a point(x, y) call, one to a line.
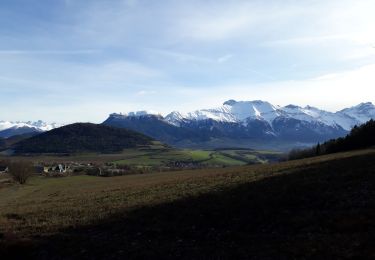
point(47, 206)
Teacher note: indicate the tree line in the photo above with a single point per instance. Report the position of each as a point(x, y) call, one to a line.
point(360, 137)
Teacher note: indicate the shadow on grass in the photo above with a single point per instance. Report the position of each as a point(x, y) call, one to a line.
point(325, 211)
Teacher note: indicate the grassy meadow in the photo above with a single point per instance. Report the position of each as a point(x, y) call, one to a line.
point(162, 155)
point(151, 157)
point(311, 208)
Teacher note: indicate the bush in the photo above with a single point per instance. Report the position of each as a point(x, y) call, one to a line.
point(21, 171)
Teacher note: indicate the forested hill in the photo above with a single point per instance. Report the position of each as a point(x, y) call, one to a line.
point(360, 137)
point(82, 137)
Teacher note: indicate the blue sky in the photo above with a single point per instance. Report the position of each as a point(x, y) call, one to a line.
point(77, 60)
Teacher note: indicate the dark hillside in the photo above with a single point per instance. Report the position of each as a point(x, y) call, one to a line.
point(2, 143)
point(360, 137)
point(10, 141)
point(82, 137)
point(18, 131)
point(153, 126)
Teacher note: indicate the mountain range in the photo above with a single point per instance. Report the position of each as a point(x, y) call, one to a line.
point(257, 124)
point(243, 111)
point(9, 128)
point(254, 124)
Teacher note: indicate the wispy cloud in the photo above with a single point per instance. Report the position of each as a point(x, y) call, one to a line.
point(179, 56)
point(225, 58)
point(308, 40)
point(184, 57)
point(214, 27)
point(49, 52)
point(122, 53)
point(331, 91)
point(145, 92)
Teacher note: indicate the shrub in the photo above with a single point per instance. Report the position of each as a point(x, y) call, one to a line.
point(21, 171)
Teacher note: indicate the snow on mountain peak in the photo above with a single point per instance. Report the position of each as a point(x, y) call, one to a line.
point(360, 113)
point(140, 113)
point(230, 111)
point(312, 108)
point(136, 114)
point(367, 104)
point(364, 107)
point(174, 118)
point(230, 102)
point(38, 125)
point(292, 107)
point(361, 106)
point(241, 111)
point(256, 109)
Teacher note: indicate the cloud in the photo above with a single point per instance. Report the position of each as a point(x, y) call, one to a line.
point(214, 27)
point(186, 58)
point(145, 92)
point(188, 53)
point(225, 58)
point(329, 91)
point(179, 56)
point(48, 52)
point(307, 40)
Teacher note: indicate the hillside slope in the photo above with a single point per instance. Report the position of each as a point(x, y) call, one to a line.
point(155, 127)
point(7, 133)
point(6, 143)
point(82, 137)
point(318, 208)
point(360, 137)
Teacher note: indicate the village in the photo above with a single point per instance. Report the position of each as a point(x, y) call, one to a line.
point(64, 169)
point(69, 168)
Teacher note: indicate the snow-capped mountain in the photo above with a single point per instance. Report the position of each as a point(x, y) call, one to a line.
point(312, 114)
point(360, 113)
point(233, 111)
point(233, 124)
point(9, 128)
point(244, 123)
point(175, 118)
point(242, 111)
point(40, 125)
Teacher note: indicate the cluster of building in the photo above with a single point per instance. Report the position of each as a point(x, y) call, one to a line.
point(57, 168)
point(3, 169)
point(63, 168)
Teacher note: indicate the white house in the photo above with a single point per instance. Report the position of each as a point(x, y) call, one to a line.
point(3, 169)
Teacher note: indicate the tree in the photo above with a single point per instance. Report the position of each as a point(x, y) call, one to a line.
point(318, 149)
point(21, 171)
point(360, 137)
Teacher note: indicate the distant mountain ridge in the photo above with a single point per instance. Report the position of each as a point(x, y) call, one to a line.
point(247, 124)
point(244, 123)
point(9, 128)
point(82, 137)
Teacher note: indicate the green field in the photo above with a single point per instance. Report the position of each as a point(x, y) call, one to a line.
point(322, 207)
point(164, 157)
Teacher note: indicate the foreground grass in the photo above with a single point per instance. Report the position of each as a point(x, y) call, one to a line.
point(318, 207)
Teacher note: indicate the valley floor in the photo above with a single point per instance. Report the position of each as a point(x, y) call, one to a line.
point(321, 207)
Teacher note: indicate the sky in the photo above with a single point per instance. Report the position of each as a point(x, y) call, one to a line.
point(77, 60)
